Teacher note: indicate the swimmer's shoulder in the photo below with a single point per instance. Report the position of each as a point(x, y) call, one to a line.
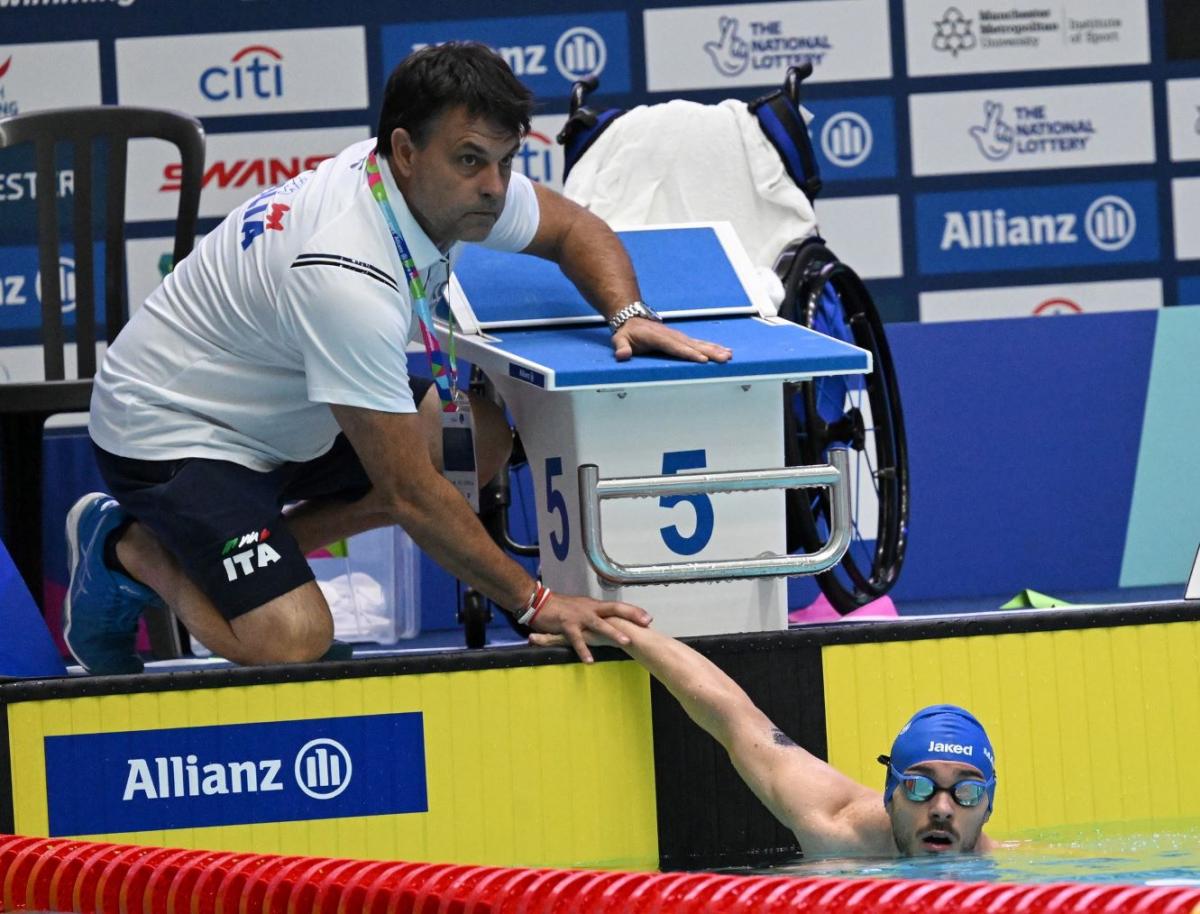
point(861, 829)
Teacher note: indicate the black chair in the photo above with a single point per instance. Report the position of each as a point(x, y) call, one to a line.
point(25, 405)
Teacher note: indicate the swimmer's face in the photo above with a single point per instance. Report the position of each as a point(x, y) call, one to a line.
point(938, 825)
point(455, 181)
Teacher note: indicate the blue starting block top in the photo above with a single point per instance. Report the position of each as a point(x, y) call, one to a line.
point(582, 357)
point(686, 271)
point(523, 319)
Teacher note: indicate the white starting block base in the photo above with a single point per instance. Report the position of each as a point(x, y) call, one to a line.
point(650, 431)
point(574, 404)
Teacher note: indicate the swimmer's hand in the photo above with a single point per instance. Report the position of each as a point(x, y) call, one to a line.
point(638, 335)
point(580, 621)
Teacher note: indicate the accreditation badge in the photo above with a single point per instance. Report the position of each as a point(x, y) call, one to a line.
point(458, 449)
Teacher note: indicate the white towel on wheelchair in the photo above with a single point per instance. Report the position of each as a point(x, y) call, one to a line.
point(681, 161)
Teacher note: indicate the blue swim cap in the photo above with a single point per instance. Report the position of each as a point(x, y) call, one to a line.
point(942, 733)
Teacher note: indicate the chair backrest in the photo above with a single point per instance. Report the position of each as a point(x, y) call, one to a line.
point(779, 115)
point(86, 128)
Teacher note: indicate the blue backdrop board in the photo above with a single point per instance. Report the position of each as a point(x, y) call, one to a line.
point(1189, 290)
point(26, 649)
point(1022, 459)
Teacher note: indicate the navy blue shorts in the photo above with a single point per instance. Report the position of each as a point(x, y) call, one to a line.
point(224, 522)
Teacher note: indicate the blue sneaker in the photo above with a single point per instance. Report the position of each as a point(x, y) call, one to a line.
point(102, 608)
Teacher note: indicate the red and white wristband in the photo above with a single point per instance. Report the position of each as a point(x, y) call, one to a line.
point(541, 594)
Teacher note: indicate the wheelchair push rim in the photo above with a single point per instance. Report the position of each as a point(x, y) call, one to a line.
point(860, 412)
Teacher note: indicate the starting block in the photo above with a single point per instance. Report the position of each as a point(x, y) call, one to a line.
point(686, 458)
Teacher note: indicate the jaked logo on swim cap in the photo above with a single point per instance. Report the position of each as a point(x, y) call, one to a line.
point(942, 733)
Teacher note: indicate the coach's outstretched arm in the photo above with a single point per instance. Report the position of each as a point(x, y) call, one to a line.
point(593, 258)
point(407, 490)
point(827, 811)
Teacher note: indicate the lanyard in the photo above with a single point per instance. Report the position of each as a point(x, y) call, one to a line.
point(445, 370)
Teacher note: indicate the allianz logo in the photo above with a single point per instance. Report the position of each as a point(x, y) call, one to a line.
point(1109, 224)
point(579, 52)
point(322, 769)
point(846, 139)
point(13, 288)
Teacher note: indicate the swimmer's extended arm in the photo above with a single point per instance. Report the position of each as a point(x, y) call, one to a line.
point(593, 258)
point(410, 492)
point(827, 811)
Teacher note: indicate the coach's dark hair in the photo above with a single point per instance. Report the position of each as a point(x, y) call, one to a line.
point(433, 79)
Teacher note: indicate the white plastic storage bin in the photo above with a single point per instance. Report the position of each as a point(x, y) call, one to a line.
point(374, 591)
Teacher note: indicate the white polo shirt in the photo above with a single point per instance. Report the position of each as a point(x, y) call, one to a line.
point(296, 301)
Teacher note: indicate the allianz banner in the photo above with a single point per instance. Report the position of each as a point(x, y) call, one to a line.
point(188, 777)
point(1026, 227)
point(547, 53)
point(21, 292)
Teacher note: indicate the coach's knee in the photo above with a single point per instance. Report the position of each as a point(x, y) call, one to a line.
point(294, 628)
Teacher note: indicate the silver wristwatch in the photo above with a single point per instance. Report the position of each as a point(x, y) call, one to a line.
point(634, 309)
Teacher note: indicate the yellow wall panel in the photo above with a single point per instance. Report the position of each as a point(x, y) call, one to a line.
point(1089, 725)
point(549, 765)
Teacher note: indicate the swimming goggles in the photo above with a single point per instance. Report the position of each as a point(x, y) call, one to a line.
point(920, 788)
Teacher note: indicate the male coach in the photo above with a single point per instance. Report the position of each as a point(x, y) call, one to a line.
point(269, 368)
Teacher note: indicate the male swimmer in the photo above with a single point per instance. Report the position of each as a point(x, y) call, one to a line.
point(940, 783)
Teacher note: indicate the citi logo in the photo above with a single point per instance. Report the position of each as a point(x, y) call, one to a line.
point(323, 768)
point(535, 157)
point(846, 139)
point(255, 71)
point(258, 172)
point(952, 748)
point(259, 555)
point(1110, 223)
point(580, 52)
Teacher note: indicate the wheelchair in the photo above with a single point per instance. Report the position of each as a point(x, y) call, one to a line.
point(861, 413)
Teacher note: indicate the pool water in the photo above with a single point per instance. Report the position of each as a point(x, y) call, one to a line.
point(1157, 854)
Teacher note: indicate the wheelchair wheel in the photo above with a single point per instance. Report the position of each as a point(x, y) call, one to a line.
point(859, 412)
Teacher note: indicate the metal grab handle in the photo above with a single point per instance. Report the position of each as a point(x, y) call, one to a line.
point(593, 489)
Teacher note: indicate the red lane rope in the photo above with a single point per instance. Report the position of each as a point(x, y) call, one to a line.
point(52, 874)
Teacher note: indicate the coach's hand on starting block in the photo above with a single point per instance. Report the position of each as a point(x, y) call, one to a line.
point(580, 620)
point(640, 335)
